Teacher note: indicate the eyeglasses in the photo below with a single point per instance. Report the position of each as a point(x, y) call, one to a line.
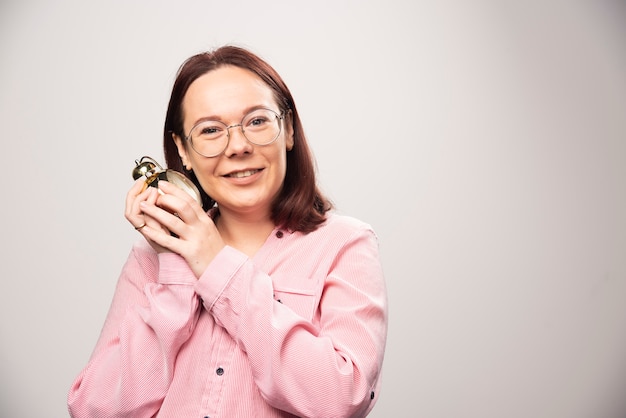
point(210, 138)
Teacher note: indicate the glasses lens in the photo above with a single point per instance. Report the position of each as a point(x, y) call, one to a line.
point(261, 127)
point(209, 138)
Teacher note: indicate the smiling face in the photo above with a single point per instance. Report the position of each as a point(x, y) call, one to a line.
point(245, 178)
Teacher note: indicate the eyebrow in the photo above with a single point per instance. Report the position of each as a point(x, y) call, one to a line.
point(244, 112)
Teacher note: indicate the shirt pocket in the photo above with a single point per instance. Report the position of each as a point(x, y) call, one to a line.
point(299, 295)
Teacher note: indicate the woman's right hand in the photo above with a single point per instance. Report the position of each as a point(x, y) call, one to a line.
point(137, 218)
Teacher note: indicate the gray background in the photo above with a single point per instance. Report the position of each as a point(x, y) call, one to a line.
point(485, 141)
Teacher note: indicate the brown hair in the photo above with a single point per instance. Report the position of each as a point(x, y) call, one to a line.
point(300, 205)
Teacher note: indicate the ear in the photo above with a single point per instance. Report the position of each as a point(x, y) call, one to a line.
point(288, 122)
point(182, 151)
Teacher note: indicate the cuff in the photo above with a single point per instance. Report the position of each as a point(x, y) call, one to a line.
point(218, 275)
point(173, 269)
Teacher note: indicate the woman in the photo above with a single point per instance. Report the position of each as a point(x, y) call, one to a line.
point(262, 303)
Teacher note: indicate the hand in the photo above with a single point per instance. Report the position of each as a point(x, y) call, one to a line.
point(133, 213)
point(197, 239)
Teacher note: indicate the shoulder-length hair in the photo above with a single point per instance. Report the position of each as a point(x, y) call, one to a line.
point(300, 205)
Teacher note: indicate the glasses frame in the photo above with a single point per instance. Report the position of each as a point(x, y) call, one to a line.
point(280, 117)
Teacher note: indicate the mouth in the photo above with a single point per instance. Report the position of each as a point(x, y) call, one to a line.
point(242, 174)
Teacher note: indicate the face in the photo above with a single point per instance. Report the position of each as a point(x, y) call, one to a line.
point(245, 178)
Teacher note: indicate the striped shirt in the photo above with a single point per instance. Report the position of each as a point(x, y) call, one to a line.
point(297, 330)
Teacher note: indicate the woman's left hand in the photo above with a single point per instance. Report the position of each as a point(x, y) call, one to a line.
point(197, 239)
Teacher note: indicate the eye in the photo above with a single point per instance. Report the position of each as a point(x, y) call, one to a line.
point(208, 130)
point(258, 120)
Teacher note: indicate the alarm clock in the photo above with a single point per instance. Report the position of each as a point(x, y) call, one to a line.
point(147, 167)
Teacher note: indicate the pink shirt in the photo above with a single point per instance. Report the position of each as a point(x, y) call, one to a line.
point(299, 329)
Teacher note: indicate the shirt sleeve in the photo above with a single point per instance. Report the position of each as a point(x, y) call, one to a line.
point(310, 369)
point(153, 312)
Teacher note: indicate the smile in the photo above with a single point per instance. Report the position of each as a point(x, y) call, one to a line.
point(242, 174)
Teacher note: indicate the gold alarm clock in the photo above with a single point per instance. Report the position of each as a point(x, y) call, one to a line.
point(153, 172)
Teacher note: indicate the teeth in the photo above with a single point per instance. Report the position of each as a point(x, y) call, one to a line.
point(241, 174)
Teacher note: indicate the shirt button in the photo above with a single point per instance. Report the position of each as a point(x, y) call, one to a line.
point(372, 395)
point(279, 234)
point(219, 371)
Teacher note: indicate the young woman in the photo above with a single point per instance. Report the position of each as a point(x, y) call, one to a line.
point(263, 302)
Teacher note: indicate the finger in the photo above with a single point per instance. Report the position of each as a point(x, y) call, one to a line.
point(136, 194)
point(180, 202)
point(158, 235)
point(131, 195)
point(153, 232)
point(160, 215)
point(171, 188)
point(148, 216)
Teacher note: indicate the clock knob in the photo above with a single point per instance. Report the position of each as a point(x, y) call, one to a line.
point(147, 167)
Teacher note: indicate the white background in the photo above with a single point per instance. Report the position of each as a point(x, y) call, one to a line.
point(485, 141)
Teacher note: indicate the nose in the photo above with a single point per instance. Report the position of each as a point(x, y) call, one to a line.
point(237, 142)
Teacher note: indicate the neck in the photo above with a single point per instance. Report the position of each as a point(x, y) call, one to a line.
point(245, 233)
